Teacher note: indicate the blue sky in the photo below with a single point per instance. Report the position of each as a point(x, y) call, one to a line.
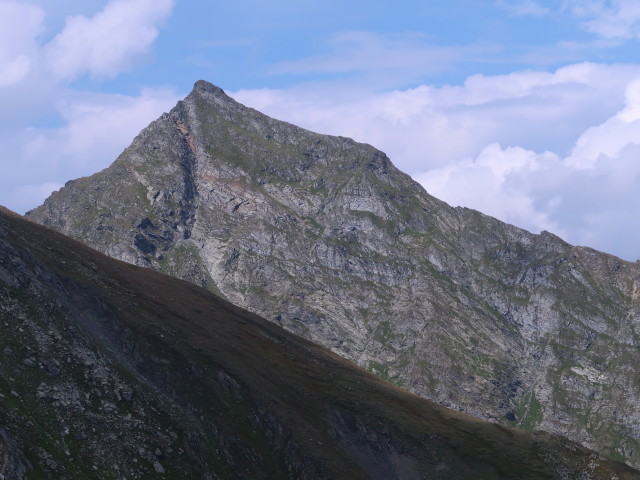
point(526, 110)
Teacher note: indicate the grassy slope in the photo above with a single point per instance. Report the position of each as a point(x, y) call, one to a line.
point(305, 400)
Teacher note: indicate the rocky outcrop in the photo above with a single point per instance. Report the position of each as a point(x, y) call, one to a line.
point(325, 237)
point(13, 464)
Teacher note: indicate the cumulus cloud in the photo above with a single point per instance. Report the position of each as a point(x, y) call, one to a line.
point(427, 127)
point(495, 182)
point(544, 150)
point(589, 196)
point(594, 206)
point(97, 127)
point(109, 42)
point(20, 25)
point(84, 131)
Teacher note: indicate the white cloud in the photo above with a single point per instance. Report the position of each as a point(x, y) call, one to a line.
point(611, 137)
point(589, 197)
point(13, 71)
point(87, 130)
point(492, 183)
point(109, 42)
point(595, 206)
point(97, 128)
point(102, 45)
point(427, 127)
point(20, 25)
point(611, 19)
point(543, 150)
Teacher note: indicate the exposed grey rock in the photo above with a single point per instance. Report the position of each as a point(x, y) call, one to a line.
point(325, 237)
point(158, 467)
point(13, 464)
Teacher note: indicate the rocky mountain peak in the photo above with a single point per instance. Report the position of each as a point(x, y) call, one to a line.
point(203, 87)
point(325, 237)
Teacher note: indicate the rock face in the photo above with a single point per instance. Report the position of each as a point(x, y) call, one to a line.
point(13, 464)
point(113, 371)
point(325, 237)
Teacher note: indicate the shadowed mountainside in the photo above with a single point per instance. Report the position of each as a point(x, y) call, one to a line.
point(115, 371)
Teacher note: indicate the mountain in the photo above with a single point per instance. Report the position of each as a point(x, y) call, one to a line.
point(325, 237)
point(114, 371)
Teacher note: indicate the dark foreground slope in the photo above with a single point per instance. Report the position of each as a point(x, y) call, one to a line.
point(325, 237)
point(113, 371)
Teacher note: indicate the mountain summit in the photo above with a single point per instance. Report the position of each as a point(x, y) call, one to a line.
point(325, 237)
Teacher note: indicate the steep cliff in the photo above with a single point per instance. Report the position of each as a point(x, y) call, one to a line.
point(325, 237)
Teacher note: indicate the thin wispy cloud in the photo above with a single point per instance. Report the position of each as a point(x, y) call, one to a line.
point(613, 19)
point(556, 54)
point(199, 61)
point(414, 57)
point(361, 51)
point(521, 8)
point(230, 42)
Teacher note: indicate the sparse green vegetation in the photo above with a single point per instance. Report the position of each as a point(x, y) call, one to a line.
point(528, 411)
point(384, 333)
